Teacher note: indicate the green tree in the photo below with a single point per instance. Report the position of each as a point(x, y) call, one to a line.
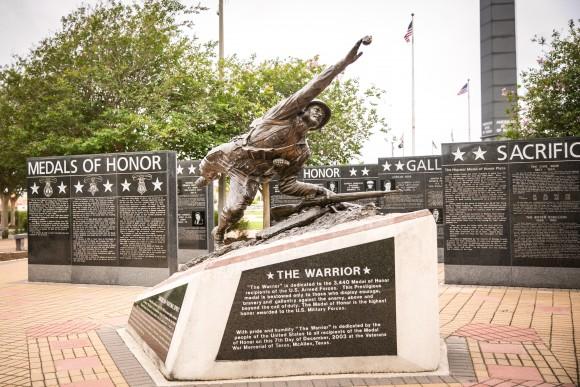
point(120, 77)
point(12, 164)
point(550, 106)
point(112, 79)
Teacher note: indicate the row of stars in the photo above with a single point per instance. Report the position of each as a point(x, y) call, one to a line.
point(479, 154)
point(365, 171)
point(108, 186)
point(191, 169)
point(387, 166)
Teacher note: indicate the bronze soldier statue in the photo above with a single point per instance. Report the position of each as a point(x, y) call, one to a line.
point(274, 145)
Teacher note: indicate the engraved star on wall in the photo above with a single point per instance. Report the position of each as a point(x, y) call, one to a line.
point(34, 188)
point(479, 153)
point(108, 186)
point(179, 170)
point(126, 186)
point(386, 166)
point(365, 171)
point(458, 154)
point(353, 172)
point(157, 184)
point(270, 275)
point(78, 186)
point(399, 165)
point(191, 169)
point(366, 270)
point(61, 187)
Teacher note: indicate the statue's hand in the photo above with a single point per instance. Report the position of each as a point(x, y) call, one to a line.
point(353, 54)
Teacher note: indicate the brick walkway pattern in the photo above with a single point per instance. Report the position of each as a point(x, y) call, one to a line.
point(54, 334)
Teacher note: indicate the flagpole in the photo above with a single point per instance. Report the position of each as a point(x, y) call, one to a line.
point(413, 86)
point(468, 111)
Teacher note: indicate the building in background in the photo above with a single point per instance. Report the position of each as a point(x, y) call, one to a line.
point(498, 64)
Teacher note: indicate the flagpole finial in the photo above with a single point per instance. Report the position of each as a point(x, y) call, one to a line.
point(412, 14)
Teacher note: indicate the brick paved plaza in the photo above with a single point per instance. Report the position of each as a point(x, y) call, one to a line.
point(65, 334)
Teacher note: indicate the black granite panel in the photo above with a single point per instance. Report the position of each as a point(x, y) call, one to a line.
point(195, 208)
point(102, 210)
point(421, 182)
point(545, 202)
point(338, 303)
point(513, 203)
point(476, 204)
point(337, 178)
point(154, 318)
point(49, 224)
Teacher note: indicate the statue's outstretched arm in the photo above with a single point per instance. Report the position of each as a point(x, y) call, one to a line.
point(299, 100)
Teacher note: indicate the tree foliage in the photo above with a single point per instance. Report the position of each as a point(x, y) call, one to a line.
point(551, 105)
point(120, 77)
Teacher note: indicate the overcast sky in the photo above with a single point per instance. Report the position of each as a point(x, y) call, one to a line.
point(446, 49)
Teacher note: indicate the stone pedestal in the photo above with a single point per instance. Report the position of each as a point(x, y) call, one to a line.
point(359, 297)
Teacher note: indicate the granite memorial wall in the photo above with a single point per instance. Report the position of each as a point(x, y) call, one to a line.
point(195, 216)
point(512, 212)
point(104, 218)
point(337, 178)
point(421, 183)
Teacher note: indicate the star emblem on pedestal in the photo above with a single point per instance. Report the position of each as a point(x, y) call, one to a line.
point(108, 186)
point(386, 166)
point(126, 186)
point(353, 172)
point(191, 169)
point(270, 275)
point(61, 187)
point(157, 184)
point(78, 186)
point(399, 165)
point(179, 170)
point(365, 171)
point(479, 153)
point(458, 154)
point(366, 270)
point(34, 188)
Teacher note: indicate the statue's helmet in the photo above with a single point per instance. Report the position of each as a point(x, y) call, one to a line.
point(325, 109)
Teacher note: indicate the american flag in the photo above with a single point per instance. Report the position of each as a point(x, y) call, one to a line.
point(409, 32)
point(464, 89)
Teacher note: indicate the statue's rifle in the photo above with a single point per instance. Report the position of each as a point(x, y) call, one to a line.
point(286, 210)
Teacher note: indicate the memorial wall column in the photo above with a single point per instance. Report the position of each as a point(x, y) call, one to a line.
point(105, 218)
point(545, 197)
point(476, 208)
